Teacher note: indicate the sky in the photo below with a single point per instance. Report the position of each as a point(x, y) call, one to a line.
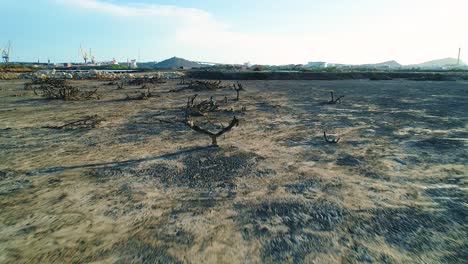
point(236, 31)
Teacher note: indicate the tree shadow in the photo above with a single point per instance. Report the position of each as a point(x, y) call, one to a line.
point(32, 100)
point(50, 170)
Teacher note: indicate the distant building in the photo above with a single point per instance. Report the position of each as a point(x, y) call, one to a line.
point(132, 64)
point(182, 68)
point(317, 64)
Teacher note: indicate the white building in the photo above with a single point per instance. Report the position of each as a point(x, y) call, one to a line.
point(317, 64)
point(132, 64)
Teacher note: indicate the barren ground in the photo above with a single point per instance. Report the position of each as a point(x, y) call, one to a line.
point(143, 188)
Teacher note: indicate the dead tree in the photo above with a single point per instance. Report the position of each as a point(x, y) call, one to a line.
point(90, 95)
point(201, 86)
point(191, 100)
point(145, 80)
point(59, 89)
point(120, 85)
point(214, 136)
point(86, 122)
point(142, 96)
point(193, 108)
point(204, 85)
point(238, 89)
point(201, 108)
point(28, 86)
point(329, 140)
point(333, 100)
point(183, 81)
point(207, 106)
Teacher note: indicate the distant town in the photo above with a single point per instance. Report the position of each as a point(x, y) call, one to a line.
point(89, 62)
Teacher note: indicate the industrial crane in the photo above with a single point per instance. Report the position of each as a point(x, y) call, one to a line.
point(91, 56)
point(6, 53)
point(84, 54)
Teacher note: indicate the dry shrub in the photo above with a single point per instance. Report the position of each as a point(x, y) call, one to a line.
point(59, 89)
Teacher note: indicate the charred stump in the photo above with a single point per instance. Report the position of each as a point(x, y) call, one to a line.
point(333, 100)
point(330, 140)
point(238, 88)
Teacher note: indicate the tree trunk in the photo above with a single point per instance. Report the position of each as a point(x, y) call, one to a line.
point(214, 141)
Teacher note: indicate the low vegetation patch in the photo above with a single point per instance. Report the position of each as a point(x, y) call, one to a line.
point(59, 89)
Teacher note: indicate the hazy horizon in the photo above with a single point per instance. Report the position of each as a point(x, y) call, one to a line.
point(283, 32)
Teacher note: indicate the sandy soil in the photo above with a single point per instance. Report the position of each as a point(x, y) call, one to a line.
point(141, 187)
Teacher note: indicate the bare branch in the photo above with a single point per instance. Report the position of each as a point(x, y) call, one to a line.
point(334, 101)
point(328, 140)
point(85, 122)
point(191, 109)
point(214, 136)
point(201, 108)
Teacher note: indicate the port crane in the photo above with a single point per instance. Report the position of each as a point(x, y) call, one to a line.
point(91, 56)
point(84, 55)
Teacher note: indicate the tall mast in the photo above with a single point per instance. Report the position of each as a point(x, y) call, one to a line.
point(459, 51)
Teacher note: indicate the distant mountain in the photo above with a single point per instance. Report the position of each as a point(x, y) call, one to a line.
point(387, 64)
point(175, 62)
point(437, 63)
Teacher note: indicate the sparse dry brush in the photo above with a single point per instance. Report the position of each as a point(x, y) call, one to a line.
point(205, 85)
point(183, 81)
point(201, 86)
point(59, 89)
point(142, 96)
point(201, 108)
point(91, 121)
point(145, 81)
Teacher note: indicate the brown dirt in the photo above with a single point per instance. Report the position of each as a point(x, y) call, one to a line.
point(140, 188)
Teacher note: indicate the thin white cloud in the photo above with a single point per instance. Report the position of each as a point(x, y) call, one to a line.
point(391, 36)
point(198, 29)
point(187, 15)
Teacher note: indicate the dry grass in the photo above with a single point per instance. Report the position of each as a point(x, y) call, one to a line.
point(140, 187)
